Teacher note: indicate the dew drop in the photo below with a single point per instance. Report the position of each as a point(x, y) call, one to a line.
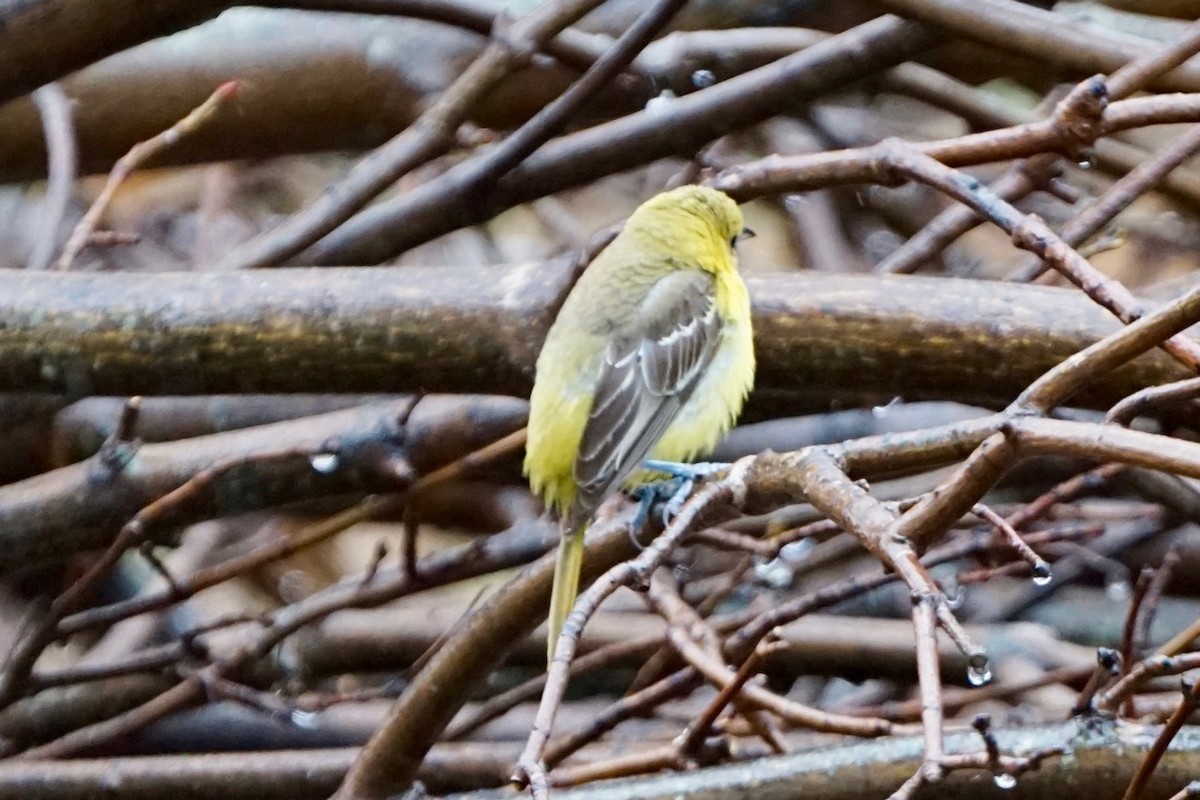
point(797, 551)
point(978, 670)
point(977, 676)
point(304, 719)
point(49, 371)
point(879, 412)
point(775, 573)
point(703, 78)
point(324, 463)
point(1004, 780)
point(1117, 588)
point(660, 104)
point(1042, 574)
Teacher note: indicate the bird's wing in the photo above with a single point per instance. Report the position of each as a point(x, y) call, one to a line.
point(647, 375)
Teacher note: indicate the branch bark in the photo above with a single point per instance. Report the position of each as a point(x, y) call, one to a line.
point(350, 330)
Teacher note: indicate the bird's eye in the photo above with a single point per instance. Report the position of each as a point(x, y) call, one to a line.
point(745, 234)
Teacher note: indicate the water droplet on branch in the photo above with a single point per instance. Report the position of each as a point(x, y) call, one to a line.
point(324, 463)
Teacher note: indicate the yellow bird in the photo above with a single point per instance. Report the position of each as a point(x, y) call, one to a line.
point(650, 356)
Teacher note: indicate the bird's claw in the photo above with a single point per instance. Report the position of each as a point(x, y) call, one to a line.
point(671, 492)
point(646, 495)
point(683, 490)
point(692, 472)
point(676, 489)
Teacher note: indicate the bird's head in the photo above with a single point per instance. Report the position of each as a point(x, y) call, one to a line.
point(697, 223)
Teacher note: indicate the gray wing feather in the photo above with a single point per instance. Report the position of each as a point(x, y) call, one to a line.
point(643, 383)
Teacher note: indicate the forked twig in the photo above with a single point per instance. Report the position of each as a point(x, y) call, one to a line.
point(138, 155)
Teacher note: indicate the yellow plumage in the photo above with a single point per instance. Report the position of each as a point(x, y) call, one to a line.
point(650, 357)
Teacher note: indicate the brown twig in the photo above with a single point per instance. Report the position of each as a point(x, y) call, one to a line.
point(513, 44)
point(633, 704)
point(530, 767)
point(698, 643)
point(1154, 593)
point(456, 190)
point(1052, 37)
point(1128, 629)
point(1068, 490)
point(937, 511)
point(1037, 564)
point(150, 659)
point(1038, 170)
point(133, 533)
point(138, 155)
point(885, 534)
point(686, 634)
point(956, 699)
point(1065, 380)
point(694, 734)
point(1187, 704)
point(929, 682)
point(1191, 790)
point(1031, 234)
point(1152, 667)
point(179, 696)
point(783, 174)
point(1108, 666)
point(1181, 641)
point(205, 578)
point(391, 759)
point(1120, 195)
point(391, 227)
point(500, 704)
point(1152, 398)
point(500, 550)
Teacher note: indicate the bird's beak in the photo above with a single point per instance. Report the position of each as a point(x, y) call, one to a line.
point(746, 234)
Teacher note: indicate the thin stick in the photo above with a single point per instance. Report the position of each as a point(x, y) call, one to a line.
point(370, 508)
point(1187, 704)
point(138, 155)
point(132, 533)
point(930, 682)
point(1041, 570)
point(62, 153)
point(530, 768)
point(1152, 397)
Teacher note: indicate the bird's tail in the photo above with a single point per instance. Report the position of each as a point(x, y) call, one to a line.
point(566, 586)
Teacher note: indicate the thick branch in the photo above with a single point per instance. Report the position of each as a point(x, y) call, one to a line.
point(1103, 758)
point(81, 506)
point(691, 122)
point(402, 329)
point(42, 41)
point(472, 650)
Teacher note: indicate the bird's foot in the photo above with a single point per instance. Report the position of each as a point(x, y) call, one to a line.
point(671, 492)
point(647, 495)
point(676, 489)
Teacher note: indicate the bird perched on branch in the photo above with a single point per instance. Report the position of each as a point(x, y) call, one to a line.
point(650, 356)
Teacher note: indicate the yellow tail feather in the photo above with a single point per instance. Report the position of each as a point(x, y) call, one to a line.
point(566, 587)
